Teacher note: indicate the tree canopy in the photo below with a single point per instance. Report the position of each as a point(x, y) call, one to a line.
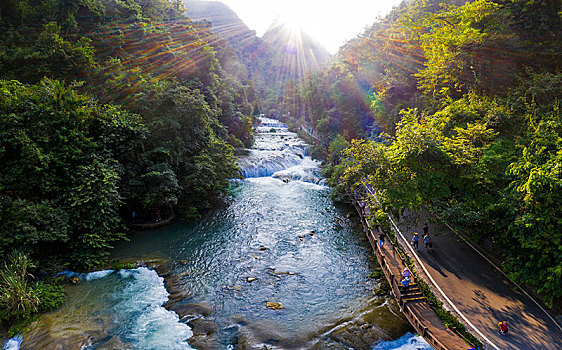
point(109, 107)
point(452, 107)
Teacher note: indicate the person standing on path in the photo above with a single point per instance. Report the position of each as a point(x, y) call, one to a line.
point(405, 283)
point(425, 229)
point(381, 238)
point(406, 272)
point(427, 242)
point(415, 240)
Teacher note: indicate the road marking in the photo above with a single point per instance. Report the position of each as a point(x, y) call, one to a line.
point(435, 283)
point(440, 290)
point(503, 273)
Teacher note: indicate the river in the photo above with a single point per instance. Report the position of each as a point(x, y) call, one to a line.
point(279, 240)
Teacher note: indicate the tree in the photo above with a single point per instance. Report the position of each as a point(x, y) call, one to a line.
point(468, 49)
point(61, 183)
point(536, 191)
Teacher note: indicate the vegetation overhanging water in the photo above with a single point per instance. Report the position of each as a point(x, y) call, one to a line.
point(280, 239)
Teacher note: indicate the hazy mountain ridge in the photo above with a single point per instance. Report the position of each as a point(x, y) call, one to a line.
point(281, 53)
point(225, 21)
point(295, 49)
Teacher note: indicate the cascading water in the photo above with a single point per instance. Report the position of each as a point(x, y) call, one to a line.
point(407, 342)
point(281, 154)
point(111, 310)
point(280, 267)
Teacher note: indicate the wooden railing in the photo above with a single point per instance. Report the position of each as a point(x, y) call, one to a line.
point(414, 320)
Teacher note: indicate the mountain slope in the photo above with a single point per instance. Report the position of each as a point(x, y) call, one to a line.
point(281, 54)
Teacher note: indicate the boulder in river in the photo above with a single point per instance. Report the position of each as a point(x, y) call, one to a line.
point(203, 327)
point(273, 305)
point(176, 298)
point(191, 309)
point(204, 334)
point(178, 291)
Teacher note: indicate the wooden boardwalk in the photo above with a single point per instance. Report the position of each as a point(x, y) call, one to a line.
point(412, 304)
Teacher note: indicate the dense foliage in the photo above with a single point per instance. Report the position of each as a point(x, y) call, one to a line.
point(108, 108)
point(60, 184)
point(468, 98)
point(20, 297)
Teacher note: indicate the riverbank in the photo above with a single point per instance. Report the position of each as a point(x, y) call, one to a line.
point(282, 244)
point(152, 224)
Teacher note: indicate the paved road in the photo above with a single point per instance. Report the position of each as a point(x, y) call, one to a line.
point(482, 293)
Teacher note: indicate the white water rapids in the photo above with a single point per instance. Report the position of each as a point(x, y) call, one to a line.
point(312, 262)
point(281, 154)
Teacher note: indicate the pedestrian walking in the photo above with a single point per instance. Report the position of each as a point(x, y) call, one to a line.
point(405, 283)
point(503, 328)
point(406, 272)
point(416, 240)
point(427, 242)
point(425, 229)
point(381, 238)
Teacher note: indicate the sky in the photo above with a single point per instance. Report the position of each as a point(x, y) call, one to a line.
point(330, 22)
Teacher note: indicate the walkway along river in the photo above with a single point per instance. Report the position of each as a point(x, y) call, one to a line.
point(279, 267)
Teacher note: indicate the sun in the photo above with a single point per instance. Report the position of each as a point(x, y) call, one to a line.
point(292, 22)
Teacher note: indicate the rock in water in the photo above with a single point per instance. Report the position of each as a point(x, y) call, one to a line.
point(274, 305)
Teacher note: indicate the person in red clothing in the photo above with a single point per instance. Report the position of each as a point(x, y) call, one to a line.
point(503, 327)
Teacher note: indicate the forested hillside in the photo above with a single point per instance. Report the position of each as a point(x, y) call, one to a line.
point(114, 112)
point(454, 108)
point(109, 108)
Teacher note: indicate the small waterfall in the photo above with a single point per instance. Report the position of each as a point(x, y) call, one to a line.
point(281, 154)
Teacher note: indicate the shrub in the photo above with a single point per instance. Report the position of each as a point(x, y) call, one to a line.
point(16, 292)
point(51, 296)
point(20, 297)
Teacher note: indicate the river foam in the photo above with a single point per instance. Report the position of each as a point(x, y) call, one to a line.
point(110, 309)
point(143, 321)
point(408, 341)
point(13, 344)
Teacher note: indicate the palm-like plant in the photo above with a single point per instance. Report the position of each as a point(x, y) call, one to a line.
point(16, 291)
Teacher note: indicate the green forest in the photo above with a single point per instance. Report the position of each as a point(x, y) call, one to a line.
point(453, 108)
point(107, 108)
point(110, 107)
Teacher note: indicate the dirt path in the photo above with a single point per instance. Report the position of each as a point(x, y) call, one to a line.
point(480, 292)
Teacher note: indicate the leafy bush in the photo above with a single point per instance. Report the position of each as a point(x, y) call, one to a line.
point(16, 292)
point(20, 298)
point(51, 296)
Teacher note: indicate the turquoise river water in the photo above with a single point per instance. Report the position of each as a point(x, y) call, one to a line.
point(279, 239)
